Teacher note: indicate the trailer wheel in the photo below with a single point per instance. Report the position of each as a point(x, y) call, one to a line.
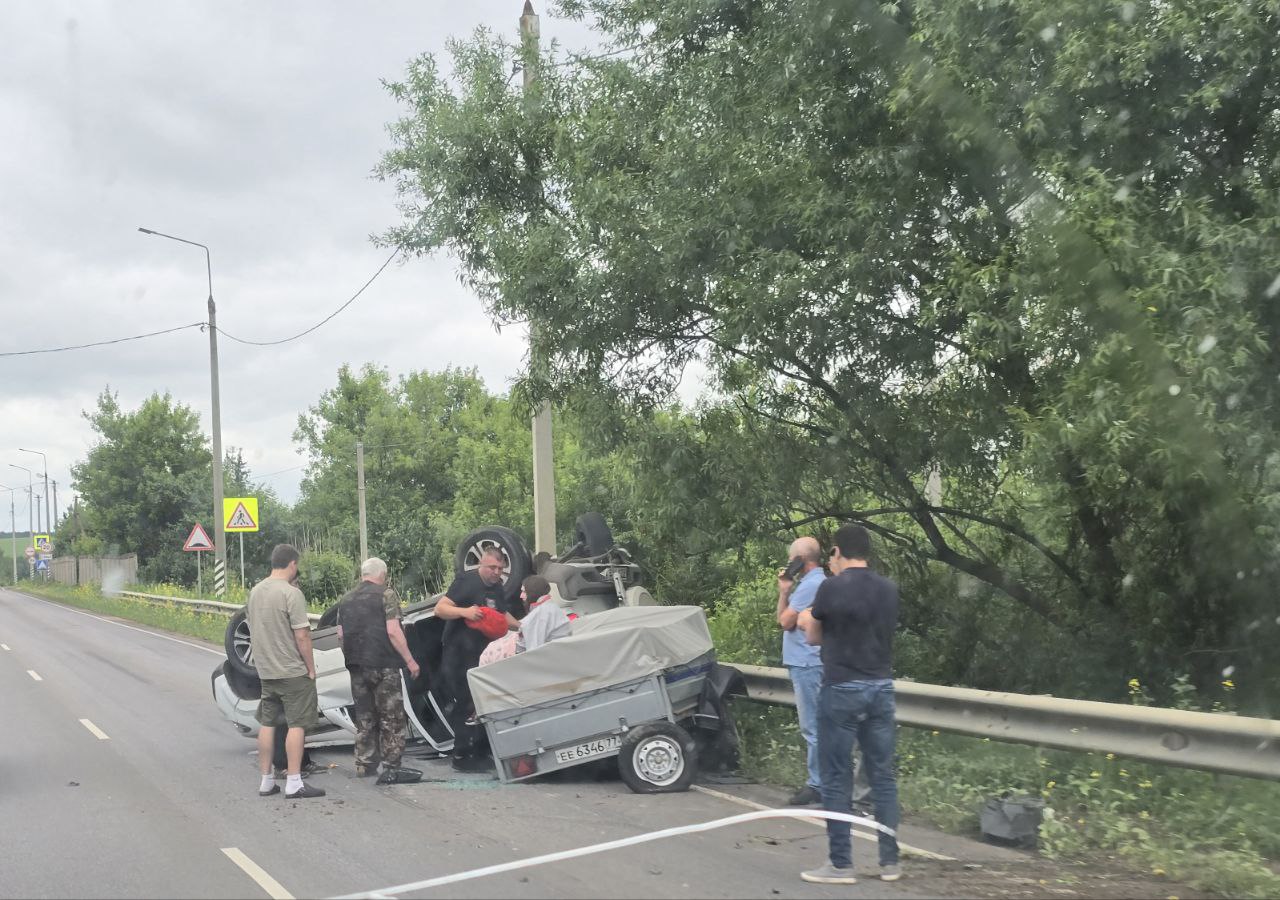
point(658, 758)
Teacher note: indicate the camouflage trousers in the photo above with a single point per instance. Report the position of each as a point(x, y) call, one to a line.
point(380, 718)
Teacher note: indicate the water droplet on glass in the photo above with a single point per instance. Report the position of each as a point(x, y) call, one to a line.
point(1273, 288)
point(1123, 116)
point(1099, 392)
point(1228, 671)
point(1121, 194)
point(1128, 10)
point(1127, 580)
point(1174, 390)
point(1240, 576)
point(1048, 33)
point(1207, 344)
point(1233, 400)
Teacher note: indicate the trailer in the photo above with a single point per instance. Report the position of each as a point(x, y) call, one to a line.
point(631, 683)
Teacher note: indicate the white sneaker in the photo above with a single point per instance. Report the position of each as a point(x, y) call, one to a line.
point(890, 872)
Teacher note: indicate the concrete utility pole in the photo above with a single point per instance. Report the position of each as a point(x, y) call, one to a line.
point(544, 485)
point(48, 523)
point(219, 533)
point(53, 523)
point(39, 524)
point(364, 526)
point(13, 531)
point(31, 493)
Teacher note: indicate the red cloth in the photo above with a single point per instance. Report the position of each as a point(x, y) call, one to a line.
point(492, 625)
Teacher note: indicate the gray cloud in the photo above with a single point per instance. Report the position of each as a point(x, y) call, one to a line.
point(250, 127)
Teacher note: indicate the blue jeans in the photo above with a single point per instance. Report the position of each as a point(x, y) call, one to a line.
point(806, 681)
point(862, 713)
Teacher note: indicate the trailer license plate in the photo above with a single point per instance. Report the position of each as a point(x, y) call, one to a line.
point(588, 750)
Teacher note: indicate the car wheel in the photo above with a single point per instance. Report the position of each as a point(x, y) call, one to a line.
point(239, 648)
point(594, 534)
point(246, 687)
point(658, 758)
point(517, 565)
point(329, 617)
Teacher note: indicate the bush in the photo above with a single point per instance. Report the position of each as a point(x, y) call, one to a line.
point(325, 576)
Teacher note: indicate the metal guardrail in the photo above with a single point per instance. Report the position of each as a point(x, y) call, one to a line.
point(211, 606)
point(1212, 742)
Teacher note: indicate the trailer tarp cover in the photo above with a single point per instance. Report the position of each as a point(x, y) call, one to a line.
point(605, 649)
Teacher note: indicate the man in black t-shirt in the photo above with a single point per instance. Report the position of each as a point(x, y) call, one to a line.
point(853, 619)
point(469, 593)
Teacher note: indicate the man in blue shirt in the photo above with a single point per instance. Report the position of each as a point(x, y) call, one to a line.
point(802, 659)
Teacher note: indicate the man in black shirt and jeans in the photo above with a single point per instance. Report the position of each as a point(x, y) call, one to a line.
point(853, 618)
point(463, 602)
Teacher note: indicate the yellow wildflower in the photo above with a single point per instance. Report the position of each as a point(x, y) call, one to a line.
point(1144, 815)
point(1095, 774)
point(1229, 684)
point(1144, 784)
point(1124, 774)
point(1051, 785)
point(1111, 756)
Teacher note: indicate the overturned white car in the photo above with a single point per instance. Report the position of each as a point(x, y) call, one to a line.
point(592, 577)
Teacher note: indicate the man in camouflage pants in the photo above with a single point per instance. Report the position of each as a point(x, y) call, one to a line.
point(375, 649)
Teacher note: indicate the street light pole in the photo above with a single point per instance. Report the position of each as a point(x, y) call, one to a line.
point(219, 533)
point(544, 485)
point(48, 523)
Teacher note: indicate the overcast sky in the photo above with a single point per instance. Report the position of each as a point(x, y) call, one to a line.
point(251, 127)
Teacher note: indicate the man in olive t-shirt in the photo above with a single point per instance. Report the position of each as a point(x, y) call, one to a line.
point(280, 633)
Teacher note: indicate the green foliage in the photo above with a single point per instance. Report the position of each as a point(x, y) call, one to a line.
point(170, 617)
point(325, 576)
point(139, 480)
point(996, 280)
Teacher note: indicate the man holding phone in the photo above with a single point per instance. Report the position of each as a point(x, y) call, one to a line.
point(797, 586)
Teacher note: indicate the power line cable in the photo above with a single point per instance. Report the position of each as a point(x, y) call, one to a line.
point(353, 299)
point(135, 337)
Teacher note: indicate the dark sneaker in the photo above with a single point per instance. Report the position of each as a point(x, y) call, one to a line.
point(399, 775)
point(275, 789)
point(830, 874)
point(473, 764)
point(304, 792)
point(891, 872)
point(806, 796)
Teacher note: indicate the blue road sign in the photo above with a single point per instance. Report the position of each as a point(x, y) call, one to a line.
point(42, 565)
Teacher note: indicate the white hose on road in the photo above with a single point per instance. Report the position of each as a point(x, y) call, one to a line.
point(442, 880)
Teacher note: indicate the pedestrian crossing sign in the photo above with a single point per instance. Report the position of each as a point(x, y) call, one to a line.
point(240, 513)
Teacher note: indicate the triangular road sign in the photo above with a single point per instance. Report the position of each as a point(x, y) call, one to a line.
point(198, 539)
point(241, 520)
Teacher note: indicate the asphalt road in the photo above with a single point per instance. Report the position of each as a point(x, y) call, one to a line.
point(167, 803)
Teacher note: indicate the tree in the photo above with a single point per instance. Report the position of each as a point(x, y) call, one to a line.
point(1028, 246)
point(140, 481)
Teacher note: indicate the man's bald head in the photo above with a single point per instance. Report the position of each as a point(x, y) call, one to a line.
point(807, 548)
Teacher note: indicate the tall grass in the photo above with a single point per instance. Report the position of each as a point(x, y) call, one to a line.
point(1218, 833)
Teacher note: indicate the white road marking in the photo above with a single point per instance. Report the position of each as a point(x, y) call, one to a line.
point(95, 730)
point(5, 646)
point(32, 673)
point(273, 888)
point(907, 849)
point(122, 625)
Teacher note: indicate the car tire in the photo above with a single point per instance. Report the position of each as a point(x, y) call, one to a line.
point(237, 641)
point(658, 758)
point(328, 618)
point(594, 534)
point(246, 687)
point(519, 565)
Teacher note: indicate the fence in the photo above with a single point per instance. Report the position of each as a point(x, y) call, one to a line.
point(117, 570)
point(1211, 742)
